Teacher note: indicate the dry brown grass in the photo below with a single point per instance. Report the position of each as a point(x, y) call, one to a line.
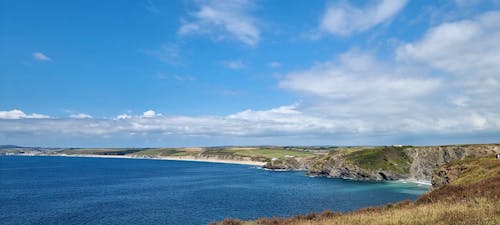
point(489, 189)
point(479, 211)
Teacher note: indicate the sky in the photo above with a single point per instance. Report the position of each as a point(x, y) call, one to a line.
point(150, 73)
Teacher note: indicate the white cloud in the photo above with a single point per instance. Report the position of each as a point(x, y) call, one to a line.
point(469, 51)
point(465, 47)
point(357, 93)
point(289, 121)
point(149, 114)
point(123, 117)
point(41, 57)
point(18, 114)
point(80, 116)
point(356, 76)
point(222, 20)
point(235, 64)
point(344, 19)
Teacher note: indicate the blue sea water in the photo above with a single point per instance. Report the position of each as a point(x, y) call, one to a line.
point(66, 190)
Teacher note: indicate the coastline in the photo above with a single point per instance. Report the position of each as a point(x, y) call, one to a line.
point(191, 159)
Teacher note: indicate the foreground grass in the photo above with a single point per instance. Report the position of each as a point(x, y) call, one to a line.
point(480, 211)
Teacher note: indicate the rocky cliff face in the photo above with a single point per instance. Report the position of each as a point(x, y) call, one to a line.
point(290, 163)
point(467, 171)
point(386, 163)
point(426, 159)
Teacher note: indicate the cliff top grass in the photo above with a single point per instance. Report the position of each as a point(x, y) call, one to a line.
point(473, 170)
point(388, 158)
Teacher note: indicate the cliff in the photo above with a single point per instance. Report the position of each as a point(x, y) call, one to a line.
point(469, 170)
point(426, 159)
point(385, 163)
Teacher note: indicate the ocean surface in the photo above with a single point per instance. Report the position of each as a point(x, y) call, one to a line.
point(66, 190)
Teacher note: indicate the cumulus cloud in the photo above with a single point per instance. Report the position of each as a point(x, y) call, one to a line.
point(469, 51)
point(466, 47)
point(149, 114)
point(123, 117)
point(41, 57)
point(80, 116)
point(18, 114)
point(222, 19)
point(357, 78)
point(285, 121)
point(443, 82)
point(345, 19)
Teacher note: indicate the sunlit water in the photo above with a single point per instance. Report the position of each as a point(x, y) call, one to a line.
point(65, 190)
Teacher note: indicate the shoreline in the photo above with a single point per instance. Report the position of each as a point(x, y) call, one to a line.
point(189, 159)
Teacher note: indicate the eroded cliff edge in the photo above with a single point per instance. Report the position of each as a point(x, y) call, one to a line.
point(385, 163)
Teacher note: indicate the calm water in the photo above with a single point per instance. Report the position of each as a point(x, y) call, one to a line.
point(61, 190)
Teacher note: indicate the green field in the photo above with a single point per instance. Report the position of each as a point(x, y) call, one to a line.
point(388, 158)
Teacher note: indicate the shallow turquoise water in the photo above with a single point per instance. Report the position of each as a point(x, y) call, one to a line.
point(64, 190)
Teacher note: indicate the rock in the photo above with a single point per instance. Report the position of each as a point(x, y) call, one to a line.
point(426, 159)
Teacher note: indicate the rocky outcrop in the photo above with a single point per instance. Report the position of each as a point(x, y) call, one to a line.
point(290, 163)
point(445, 175)
point(426, 159)
point(387, 163)
point(339, 167)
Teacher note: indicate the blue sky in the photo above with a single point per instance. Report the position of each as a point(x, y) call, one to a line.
point(202, 73)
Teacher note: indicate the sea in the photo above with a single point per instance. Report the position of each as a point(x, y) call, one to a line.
point(77, 190)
